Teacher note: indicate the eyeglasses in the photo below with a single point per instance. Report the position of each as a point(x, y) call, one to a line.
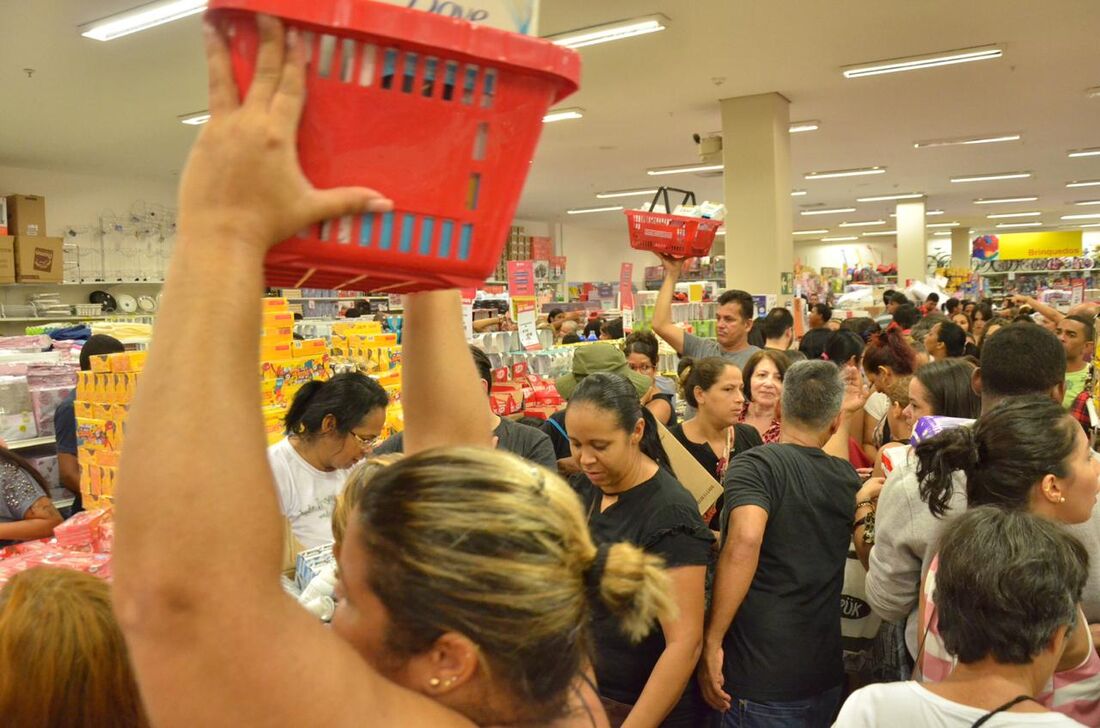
point(642, 368)
point(365, 443)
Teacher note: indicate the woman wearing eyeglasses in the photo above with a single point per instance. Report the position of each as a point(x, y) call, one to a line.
point(330, 427)
point(642, 355)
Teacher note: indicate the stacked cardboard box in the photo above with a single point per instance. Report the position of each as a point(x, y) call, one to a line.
point(27, 255)
point(285, 364)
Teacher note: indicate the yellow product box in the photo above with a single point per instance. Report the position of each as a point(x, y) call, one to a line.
point(347, 328)
point(84, 409)
point(107, 458)
point(275, 305)
point(310, 347)
point(91, 435)
point(277, 333)
point(101, 363)
point(84, 382)
point(274, 319)
point(276, 352)
point(128, 361)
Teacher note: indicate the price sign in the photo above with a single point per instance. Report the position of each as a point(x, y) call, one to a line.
point(526, 314)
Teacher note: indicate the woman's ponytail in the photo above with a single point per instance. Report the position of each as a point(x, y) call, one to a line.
point(938, 459)
point(633, 585)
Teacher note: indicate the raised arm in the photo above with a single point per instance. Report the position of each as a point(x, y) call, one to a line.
point(199, 533)
point(441, 393)
point(1049, 312)
point(662, 310)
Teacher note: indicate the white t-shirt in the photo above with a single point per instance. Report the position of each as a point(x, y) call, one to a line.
point(307, 495)
point(908, 705)
point(877, 405)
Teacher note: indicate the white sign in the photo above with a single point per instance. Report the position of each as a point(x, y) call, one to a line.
point(517, 16)
point(628, 320)
point(528, 330)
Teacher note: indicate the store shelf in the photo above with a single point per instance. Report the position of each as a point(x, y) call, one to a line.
point(95, 284)
point(24, 444)
point(1060, 271)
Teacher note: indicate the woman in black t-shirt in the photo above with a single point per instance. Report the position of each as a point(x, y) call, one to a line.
point(641, 349)
point(629, 495)
point(715, 388)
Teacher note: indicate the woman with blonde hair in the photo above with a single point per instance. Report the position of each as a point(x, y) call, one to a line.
point(469, 576)
point(63, 661)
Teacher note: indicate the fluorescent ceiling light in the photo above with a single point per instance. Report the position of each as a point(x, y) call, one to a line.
point(916, 63)
point(1087, 202)
point(863, 223)
point(1008, 215)
point(141, 18)
point(881, 233)
point(927, 213)
point(885, 198)
point(720, 231)
point(992, 177)
point(840, 239)
point(1090, 216)
point(562, 115)
point(798, 193)
point(1019, 224)
point(684, 169)
point(829, 211)
point(941, 233)
point(1092, 93)
point(967, 140)
point(625, 193)
point(586, 210)
point(607, 32)
point(1084, 183)
point(1088, 225)
point(1094, 152)
point(1003, 200)
point(845, 173)
point(942, 224)
point(197, 119)
point(797, 127)
point(810, 232)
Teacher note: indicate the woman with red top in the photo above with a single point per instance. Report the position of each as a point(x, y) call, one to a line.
point(763, 389)
point(887, 356)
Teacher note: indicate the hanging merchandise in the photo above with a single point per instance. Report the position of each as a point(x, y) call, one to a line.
point(385, 83)
point(688, 232)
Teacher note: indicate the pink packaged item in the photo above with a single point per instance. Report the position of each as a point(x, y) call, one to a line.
point(79, 532)
point(44, 403)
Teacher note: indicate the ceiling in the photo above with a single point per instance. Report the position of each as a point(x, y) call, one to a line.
point(111, 108)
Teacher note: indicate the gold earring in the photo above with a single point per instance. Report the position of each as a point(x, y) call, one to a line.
point(434, 682)
point(450, 681)
point(1062, 499)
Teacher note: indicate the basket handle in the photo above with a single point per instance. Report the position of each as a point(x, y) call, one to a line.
point(663, 191)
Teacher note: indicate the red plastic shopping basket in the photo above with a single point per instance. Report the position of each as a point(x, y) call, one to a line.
point(439, 114)
point(673, 235)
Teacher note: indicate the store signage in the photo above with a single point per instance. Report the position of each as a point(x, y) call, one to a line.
point(1024, 246)
point(526, 312)
point(626, 287)
point(1077, 291)
point(468, 295)
point(521, 278)
point(557, 267)
point(541, 248)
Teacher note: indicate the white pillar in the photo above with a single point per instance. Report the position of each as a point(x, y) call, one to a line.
point(912, 242)
point(757, 158)
point(960, 247)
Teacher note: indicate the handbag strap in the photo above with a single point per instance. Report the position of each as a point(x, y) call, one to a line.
point(1015, 701)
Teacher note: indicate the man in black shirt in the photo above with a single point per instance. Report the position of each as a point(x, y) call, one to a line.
point(772, 649)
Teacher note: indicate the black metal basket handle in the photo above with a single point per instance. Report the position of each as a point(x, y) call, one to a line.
point(663, 191)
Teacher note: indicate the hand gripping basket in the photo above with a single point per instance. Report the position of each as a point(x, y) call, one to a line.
point(673, 235)
point(439, 114)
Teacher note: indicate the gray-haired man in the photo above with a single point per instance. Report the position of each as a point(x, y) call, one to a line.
point(772, 647)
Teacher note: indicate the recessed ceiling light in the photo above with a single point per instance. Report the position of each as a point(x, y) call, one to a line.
point(1003, 200)
point(829, 211)
point(1090, 216)
point(881, 233)
point(1093, 152)
point(863, 223)
point(562, 115)
point(942, 224)
point(1019, 224)
point(839, 239)
point(141, 18)
point(845, 173)
point(927, 213)
point(1007, 215)
point(992, 177)
point(625, 193)
point(916, 63)
point(885, 198)
point(684, 169)
point(992, 139)
point(1088, 202)
point(797, 127)
point(587, 210)
point(798, 193)
point(1084, 183)
point(196, 119)
point(607, 32)
point(810, 232)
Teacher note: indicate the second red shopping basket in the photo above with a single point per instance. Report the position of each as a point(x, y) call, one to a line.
point(439, 114)
point(673, 235)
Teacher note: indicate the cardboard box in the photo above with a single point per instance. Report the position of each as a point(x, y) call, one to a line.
point(693, 476)
point(27, 215)
point(38, 260)
point(7, 259)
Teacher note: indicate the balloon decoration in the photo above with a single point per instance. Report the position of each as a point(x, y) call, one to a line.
point(985, 247)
